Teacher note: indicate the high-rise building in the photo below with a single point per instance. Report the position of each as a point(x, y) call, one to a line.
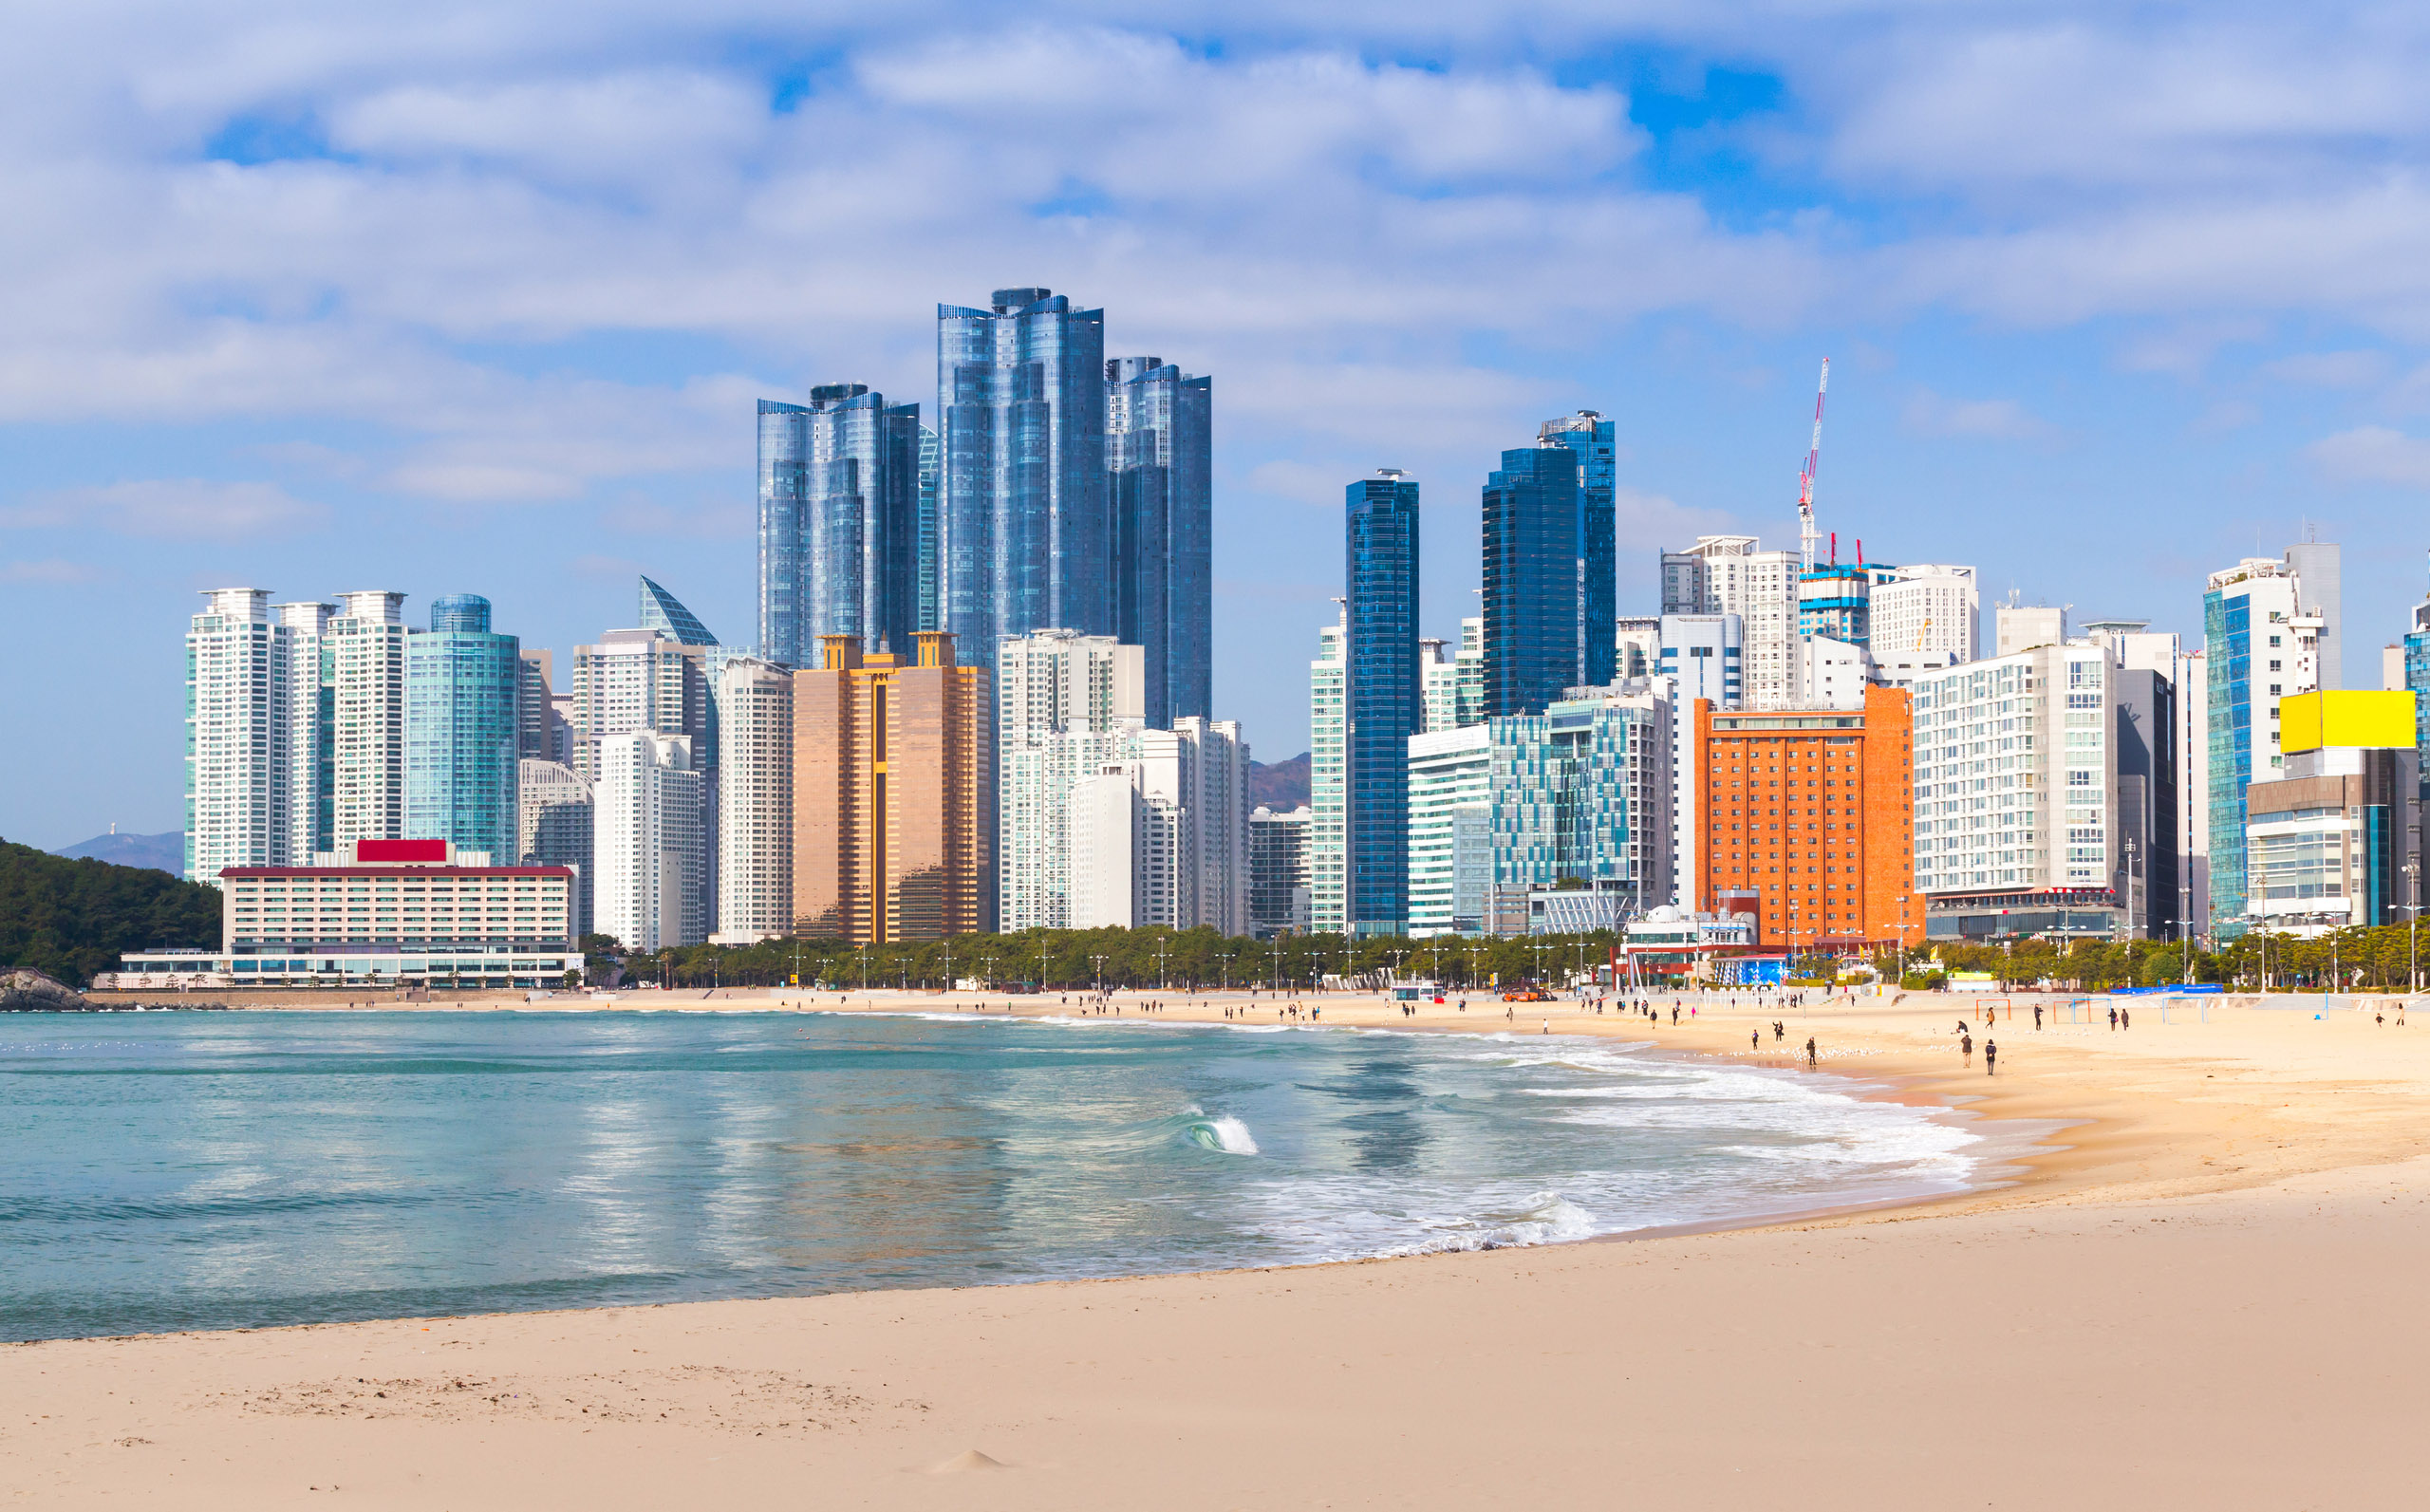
point(1159, 471)
point(2045, 792)
point(463, 689)
point(2319, 567)
point(2192, 679)
point(366, 642)
point(1452, 685)
point(2416, 667)
point(1701, 660)
point(1157, 831)
point(839, 521)
point(1832, 673)
point(1730, 574)
point(2260, 645)
point(1328, 837)
point(1637, 647)
point(1925, 608)
point(1535, 583)
point(1834, 601)
point(893, 826)
point(1382, 696)
point(1450, 838)
point(639, 679)
point(2023, 627)
point(928, 569)
point(1063, 700)
point(1589, 435)
point(754, 801)
point(535, 735)
point(311, 707)
point(1581, 795)
point(553, 826)
point(1277, 847)
point(1027, 536)
point(1830, 865)
point(661, 611)
point(237, 734)
point(646, 842)
point(2328, 841)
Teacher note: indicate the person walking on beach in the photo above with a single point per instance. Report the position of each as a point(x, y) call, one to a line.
point(1809, 1050)
point(1991, 1057)
point(2113, 1018)
point(1756, 1040)
point(1674, 1016)
point(2037, 1015)
point(1966, 1047)
point(2126, 1018)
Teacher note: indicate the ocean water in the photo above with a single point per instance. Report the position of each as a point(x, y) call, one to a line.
point(178, 1171)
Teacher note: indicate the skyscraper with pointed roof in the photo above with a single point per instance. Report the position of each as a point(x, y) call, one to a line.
point(663, 611)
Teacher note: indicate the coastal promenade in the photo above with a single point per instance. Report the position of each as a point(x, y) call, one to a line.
point(2201, 1289)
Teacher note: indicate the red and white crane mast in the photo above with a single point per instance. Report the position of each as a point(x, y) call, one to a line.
point(1806, 530)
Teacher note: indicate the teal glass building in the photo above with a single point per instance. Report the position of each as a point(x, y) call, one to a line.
point(1383, 698)
point(462, 684)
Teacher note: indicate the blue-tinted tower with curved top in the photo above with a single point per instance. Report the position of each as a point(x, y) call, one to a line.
point(1026, 537)
point(1159, 468)
point(1531, 568)
point(839, 522)
point(1596, 620)
point(1383, 698)
point(462, 685)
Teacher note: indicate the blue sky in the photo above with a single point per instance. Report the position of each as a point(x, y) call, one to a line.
point(477, 299)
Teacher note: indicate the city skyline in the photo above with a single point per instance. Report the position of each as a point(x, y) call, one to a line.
point(2069, 365)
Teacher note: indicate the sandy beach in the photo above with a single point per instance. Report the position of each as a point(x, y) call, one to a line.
point(2199, 1288)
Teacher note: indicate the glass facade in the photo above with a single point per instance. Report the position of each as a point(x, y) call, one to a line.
point(1590, 436)
point(1534, 581)
point(927, 584)
point(462, 689)
point(1160, 482)
point(2416, 677)
point(1576, 797)
point(2226, 636)
point(840, 509)
point(1026, 535)
point(1384, 697)
point(663, 611)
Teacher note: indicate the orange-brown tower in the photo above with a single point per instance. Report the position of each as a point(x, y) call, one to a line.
point(893, 822)
point(1811, 810)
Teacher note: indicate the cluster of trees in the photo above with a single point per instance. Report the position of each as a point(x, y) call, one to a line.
point(2365, 960)
point(1182, 960)
point(71, 919)
point(1076, 960)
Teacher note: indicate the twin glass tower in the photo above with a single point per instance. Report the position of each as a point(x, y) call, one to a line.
point(1055, 489)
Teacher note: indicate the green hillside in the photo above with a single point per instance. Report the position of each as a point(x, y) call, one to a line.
point(71, 918)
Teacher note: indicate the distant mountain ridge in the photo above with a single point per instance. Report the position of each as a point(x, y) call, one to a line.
point(162, 853)
point(1280, 787)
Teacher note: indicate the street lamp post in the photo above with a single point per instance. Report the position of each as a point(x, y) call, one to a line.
point(2413, 926)
point(865, 965)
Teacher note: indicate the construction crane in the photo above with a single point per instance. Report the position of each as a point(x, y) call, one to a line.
point(1805, 476)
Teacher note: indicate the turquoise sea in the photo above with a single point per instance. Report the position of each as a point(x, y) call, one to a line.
point(189, 1169)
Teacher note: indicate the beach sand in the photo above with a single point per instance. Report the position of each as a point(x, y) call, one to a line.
point(2202, 1290)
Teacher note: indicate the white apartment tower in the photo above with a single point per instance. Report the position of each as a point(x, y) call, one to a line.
point(237, 732)
point(1729, 574)
point(1925, 609)
point(1157, 828)
point(1328, 833)
point(311, 728)
point(366, 661)
point(554, 821)
point(1451, 834)
point(1066, 704)
point(755, 872)
point(646, 841)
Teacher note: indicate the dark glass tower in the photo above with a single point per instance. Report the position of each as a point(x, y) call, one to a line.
point(1160, 473)
point(1383, 698)
point(462, 685)
point(1026, 536)
point(839, 522)
point(1533, 580)
point(1589, 434)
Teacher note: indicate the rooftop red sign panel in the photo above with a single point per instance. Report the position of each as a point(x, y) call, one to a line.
point(373, 851)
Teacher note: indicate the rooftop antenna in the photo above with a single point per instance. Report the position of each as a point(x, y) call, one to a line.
point(1805, 533)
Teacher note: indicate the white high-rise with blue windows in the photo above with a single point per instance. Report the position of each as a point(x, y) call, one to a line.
point(2261, 644)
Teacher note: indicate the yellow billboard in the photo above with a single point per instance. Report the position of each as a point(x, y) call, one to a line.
point(2308, 721)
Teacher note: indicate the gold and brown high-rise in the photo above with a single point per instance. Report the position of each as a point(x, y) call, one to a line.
point(893, 823)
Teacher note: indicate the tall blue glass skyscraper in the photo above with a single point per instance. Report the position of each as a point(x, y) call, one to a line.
point(839, 522)
point(1596, 619)
point(1027, 537)
point(1534, 582)
point(1383, 698)
point(1161, 475)
point(462, 684)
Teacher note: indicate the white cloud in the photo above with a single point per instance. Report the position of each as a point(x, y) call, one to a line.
point(2373, 454)
point(50, 570)
point(2001, 419)
point(186, 508)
